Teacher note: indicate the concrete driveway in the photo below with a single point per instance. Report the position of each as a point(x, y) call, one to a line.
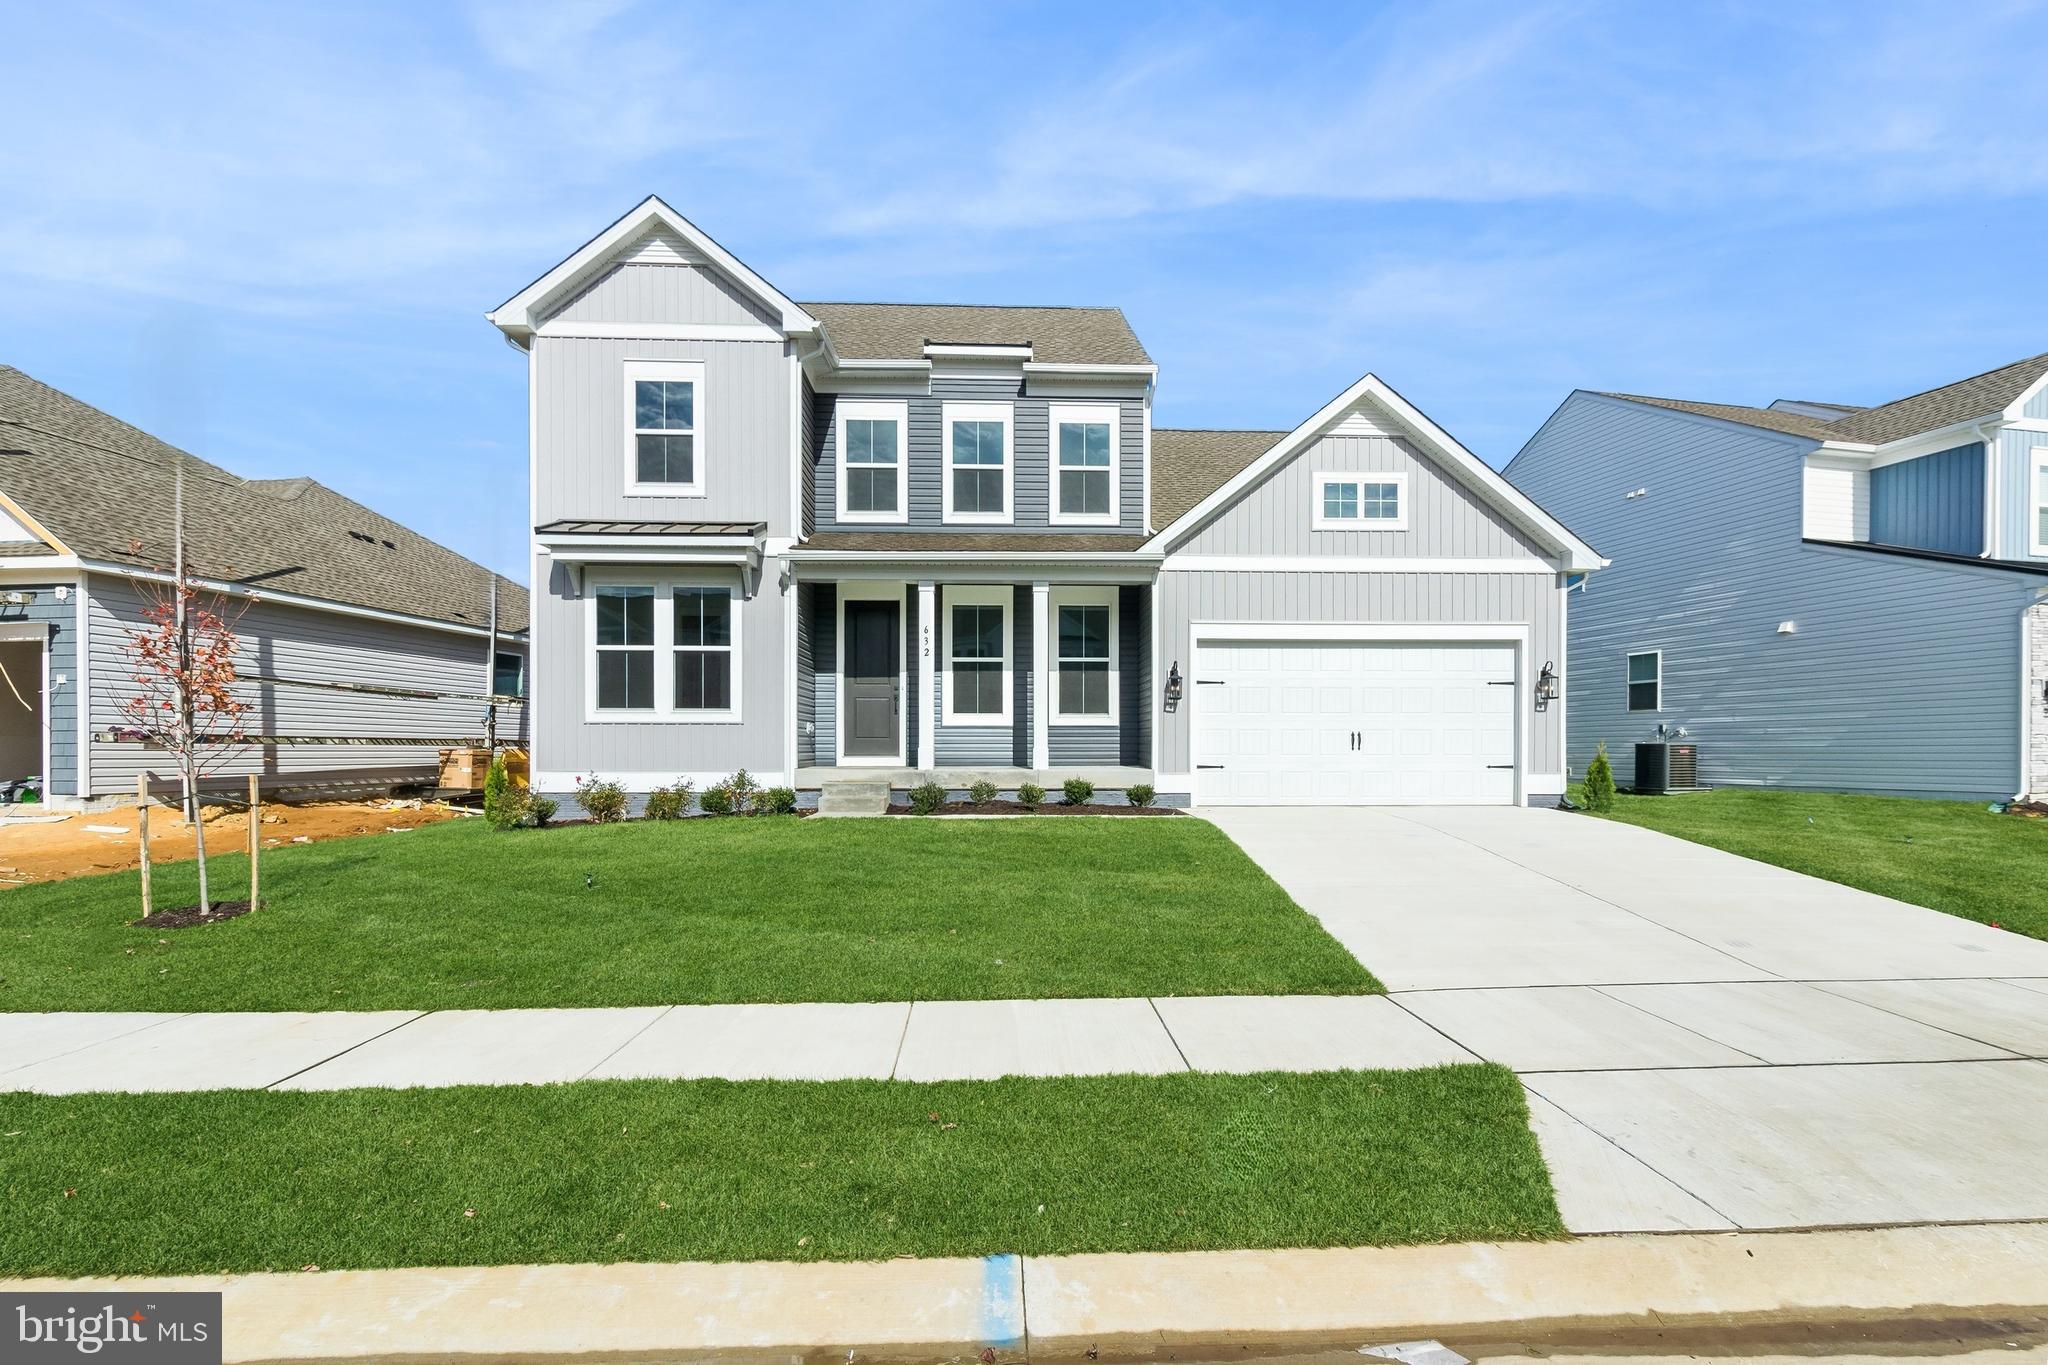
point(1707, 1042)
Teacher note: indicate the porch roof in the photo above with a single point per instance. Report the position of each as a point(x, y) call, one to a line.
point(954, 542)
point(571, 527)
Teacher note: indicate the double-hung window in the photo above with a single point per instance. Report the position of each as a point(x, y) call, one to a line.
point(1084, 464)
point(978, 477)
point(977, 681)
point(872, 438)
point(2037, 502)
point(703, 649)
point(1646, 681)
point(625, 647)
point(1084, 656)
point(665, 427)
point(1360, 502)
point(664, 647)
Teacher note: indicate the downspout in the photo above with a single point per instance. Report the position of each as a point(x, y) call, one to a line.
point(2036, 596)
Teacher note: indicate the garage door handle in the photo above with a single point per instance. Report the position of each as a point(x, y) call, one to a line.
point(1509, 766)
point(1209, 682)
point(1509, 683)
point(1217, 766)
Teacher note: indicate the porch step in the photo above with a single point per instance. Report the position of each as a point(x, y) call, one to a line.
point(851, 798)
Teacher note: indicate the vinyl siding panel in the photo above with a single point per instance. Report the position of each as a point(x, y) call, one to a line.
point(2015, 495)
point(667, 294)
point(2037, 406)
point(1935, 502)
point(1837, 501)
point(825, 679)
point(566, 742)
point(1534, 600)
point(1900, 677)
point(990, 745)
point(300, 645)
point(1445, 520)
point(924, 442)
point(580, 441)
point(60, 703)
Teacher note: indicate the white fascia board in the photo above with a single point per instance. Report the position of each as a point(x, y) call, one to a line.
point(1354, 564)
point(1912, 447)
point(1576, 555)
point(286, 599)
point(28, 567)
point(15, 511)
point(965, 351)
point(516, 316)
point(1080, 369)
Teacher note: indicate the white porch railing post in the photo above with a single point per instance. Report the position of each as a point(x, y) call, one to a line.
point(928, 638)
point(1041, 675)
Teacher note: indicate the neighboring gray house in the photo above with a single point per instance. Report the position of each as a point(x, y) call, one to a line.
point(825, 541)
point(365, 648)
point(1822, 596)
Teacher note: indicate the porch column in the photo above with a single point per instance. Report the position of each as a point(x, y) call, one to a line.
point(1041, 679)
point(927, 674)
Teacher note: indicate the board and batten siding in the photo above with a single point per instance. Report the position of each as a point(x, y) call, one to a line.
point(580, 436)
point(59, 622)
point(1897, 676)
point(925, 455)
point(635, 750)
point(677, 294)
point(1310, 597)
point(1934, 502)
point(2016, 492)
point(1445, 519)
point(303, 645)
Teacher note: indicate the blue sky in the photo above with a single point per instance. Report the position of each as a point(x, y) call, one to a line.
point(269, 234)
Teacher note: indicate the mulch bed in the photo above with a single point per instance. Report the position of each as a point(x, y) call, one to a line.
point(187, 916)
point(1019, 808)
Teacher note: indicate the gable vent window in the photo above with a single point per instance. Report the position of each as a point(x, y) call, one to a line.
point(664, 426)
point(1361, 502)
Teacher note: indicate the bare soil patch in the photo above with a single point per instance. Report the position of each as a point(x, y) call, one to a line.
point(191, 916)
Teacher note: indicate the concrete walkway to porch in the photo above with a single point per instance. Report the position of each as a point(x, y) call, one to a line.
point(923, 1041)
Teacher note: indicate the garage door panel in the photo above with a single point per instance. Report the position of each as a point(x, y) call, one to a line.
point(1407, 722)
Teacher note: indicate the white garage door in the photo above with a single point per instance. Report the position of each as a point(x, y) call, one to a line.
point(1354, 723)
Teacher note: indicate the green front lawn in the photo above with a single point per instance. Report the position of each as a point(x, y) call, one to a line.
point(700, 911)
point(1951, 856)
point(717, 1170)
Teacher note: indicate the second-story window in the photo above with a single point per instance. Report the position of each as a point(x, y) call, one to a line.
point(1084, 450)
point(871, 442)
point(978, 464)
point(664, 427)
point(1360, 502)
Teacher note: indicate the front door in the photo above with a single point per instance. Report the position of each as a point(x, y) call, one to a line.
point(872, 710)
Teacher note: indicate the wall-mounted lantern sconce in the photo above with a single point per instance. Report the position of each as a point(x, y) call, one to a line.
point(1546, 685)
point(1173, 684)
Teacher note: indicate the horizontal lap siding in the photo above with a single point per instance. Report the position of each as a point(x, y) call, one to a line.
point(1311, 598)
point(988, 745)
point(925, 452)
point(61, 702)
point(1899, 676)
point(301, 645)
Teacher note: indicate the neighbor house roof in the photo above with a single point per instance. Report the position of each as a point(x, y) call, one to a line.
point(1188, 465)
point(1982, 395)
point(1058, 336)
point(104, 489)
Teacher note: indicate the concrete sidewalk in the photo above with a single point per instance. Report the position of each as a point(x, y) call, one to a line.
point(1118, 1305)
point(927, 1041)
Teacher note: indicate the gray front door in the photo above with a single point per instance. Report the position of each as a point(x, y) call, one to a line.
point(873, 710)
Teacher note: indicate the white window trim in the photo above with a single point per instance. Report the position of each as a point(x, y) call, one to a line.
point(664, 583)
point(1005, 413)
point(1627, 683)
point(872, 411)
point(2037, 461)
point(1084, 597)
point(1319, 522)
point(972, 595)
point(1083, 412)
point(672, 370)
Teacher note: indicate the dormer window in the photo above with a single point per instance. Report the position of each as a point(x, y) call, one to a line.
point(1084, 474)
point(978, 462)
point(1360, 502)
point(871, 444)
point(664, 427)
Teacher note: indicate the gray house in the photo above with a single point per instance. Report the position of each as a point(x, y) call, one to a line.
point(365, 647)
point(861, 542)
point(1821, 595)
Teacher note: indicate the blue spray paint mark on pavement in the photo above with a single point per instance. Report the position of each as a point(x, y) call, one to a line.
point(1002, 1300)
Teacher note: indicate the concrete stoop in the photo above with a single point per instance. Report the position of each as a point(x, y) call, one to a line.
point(850, 798)
point(1109, 1306)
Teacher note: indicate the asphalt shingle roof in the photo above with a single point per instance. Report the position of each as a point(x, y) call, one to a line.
point(1188, 465)
point(103, 488)
point(899, 331)
point(1981, 395)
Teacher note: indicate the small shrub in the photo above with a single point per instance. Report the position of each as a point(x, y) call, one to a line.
point(1600, 781)
point(604, 802)
point(744, 789)
point(716, 800)
point(671, 802)
point(778, 801)
point(1030, 795)
point(499, 811)
point(539, 810)
point(982, 792)
point(1139, 794)
point(1079, 791)
point(927, 797)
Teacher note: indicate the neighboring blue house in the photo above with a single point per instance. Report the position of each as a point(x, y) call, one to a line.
point(1823, 596)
